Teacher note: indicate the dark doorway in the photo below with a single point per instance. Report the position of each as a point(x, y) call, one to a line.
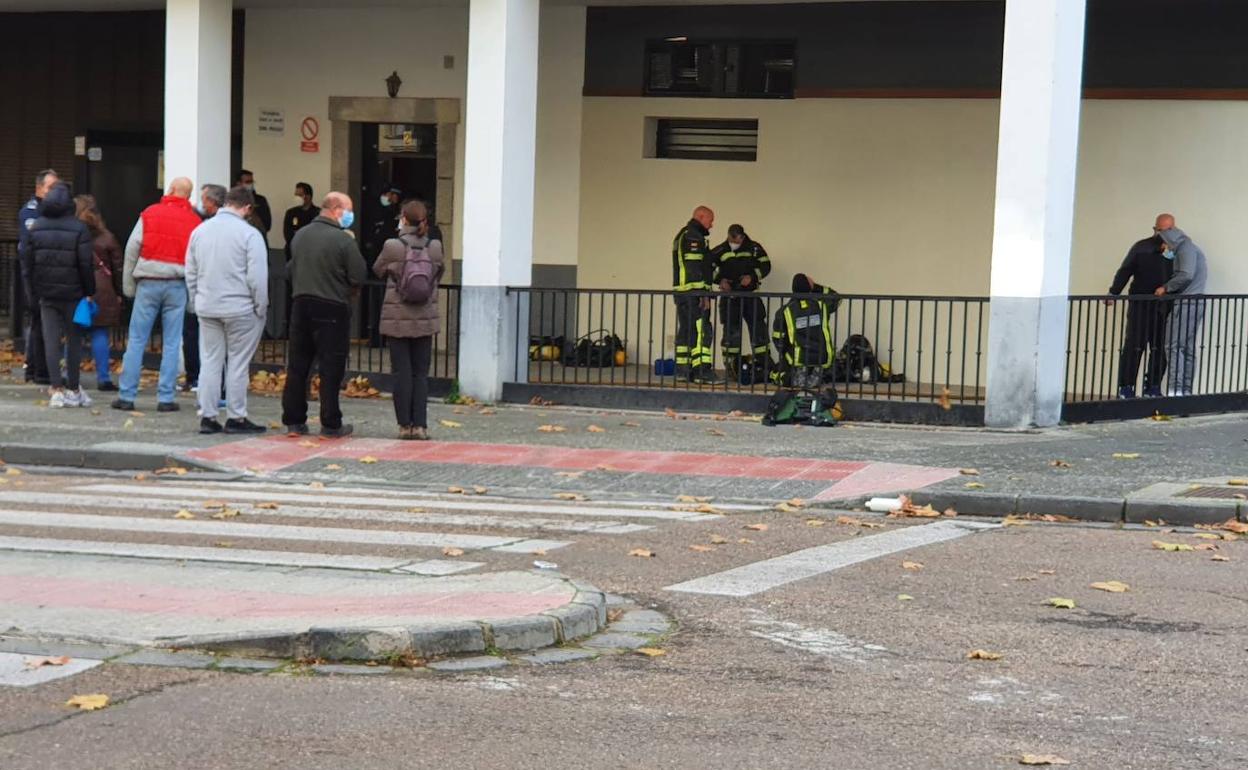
point(124, 179)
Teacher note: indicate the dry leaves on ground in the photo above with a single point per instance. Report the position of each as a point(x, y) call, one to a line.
point(969, 471)
point(1237, 482)
point(360, 387)
point(539, 401)
point(227, 513)
point(212, 504)
point(570, 496)
point(266, 506)
point(756, 527)
point(1231, 525)
point(1064, 604)
point(41, 662)
point(1126, 455)
point(1042, 759)
point(786, 508)
point(908, 509)
point(368, 459)
point(308, 443)
point(945, 402)
point(316, 484)
point(170, 471)
point(701, 548)
point(332, 467)
point(1161, 545)
point(1060, 464)
point(643, 553)
point(551, 428)
point(631, 424)
point(450, 424)
point(815, 522)
point(983, 655)
point(570, 474)
point(183, 514)
point(905, 598)
point(596, 429)
point(974, 485)
point(650, 652)
point(449, 551)
point(487, 411)
point(455, 490)
point(1112, 586)
point(715, 432)
point(480, 490)
point(718, 540)
point(1219, 557)
point(692, 499)
point(88, 702)
point(914, 566)
point(1159, 417)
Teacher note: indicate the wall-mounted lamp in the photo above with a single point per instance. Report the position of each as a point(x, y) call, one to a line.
point(392, 84)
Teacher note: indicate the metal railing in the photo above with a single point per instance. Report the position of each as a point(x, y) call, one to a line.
point(1173, 345)
point(928, 348)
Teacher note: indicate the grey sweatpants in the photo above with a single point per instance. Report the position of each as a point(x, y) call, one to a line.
point(220, 339)
point(1182, 336)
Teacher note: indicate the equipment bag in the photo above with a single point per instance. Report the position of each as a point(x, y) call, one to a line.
point(417, 281)
point(857, 362)
point(598, 349)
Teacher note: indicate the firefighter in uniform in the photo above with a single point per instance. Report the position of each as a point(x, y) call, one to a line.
point(741, 264)
point(803, 339)
point(692, 271)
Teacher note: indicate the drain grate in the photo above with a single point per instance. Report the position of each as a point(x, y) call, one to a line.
point(1216, 493)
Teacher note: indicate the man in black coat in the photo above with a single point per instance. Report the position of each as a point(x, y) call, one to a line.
point(59, 260)
point(1146, 268)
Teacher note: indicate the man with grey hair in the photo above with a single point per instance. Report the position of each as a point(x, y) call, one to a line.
point(227, 277)
point(211, 199)
point(1190, 280)
point(36, 362)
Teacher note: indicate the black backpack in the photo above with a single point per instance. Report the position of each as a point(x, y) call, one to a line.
point(856, 362)
point(596, 349)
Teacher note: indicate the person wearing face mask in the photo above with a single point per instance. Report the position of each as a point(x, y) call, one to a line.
point(692, 272)
point(211, 199)
point(303, 212)
point(1146, 268)
point(409, 327)
point(326, 270)
point(1190, 279)
point(36, 370)
point(386, 225)
point(262, 215)
point(741, 264)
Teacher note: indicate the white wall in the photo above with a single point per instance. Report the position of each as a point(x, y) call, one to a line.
point(561, 77)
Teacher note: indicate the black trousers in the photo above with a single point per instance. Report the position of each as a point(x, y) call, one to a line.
point(409, 361)
point(57, 319)
point(694, 333)
point(1146, 332)
point(750, 312)
point(190, 347)
point(320, 333)
point(36, 362)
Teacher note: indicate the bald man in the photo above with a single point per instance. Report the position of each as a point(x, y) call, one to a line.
point(154, 276)
point(692, 273)
point(326, 268)
point(1189, 281)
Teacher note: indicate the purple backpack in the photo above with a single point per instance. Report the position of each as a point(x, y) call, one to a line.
point(416, 282)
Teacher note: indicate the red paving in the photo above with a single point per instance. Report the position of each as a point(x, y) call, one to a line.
point(847, 478)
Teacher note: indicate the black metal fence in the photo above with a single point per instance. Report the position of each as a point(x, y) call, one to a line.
point(922, 348)
point(1156, 346)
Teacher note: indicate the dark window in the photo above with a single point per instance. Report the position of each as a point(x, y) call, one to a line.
point(706, 139)
point(680, 67)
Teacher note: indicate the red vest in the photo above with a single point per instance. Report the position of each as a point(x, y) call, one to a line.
point(167, 227)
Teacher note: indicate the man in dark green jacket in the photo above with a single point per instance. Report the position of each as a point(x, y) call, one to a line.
point(326, 269)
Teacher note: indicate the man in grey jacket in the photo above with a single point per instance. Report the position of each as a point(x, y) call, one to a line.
point(227, 279)
point(1190, 279)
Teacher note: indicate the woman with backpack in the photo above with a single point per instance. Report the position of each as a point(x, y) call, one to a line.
point(411, 266)
point(108, 263)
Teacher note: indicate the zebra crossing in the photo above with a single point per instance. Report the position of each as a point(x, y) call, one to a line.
point(350, 527)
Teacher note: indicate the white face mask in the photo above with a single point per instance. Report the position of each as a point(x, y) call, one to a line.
point(250, 187)
point(298, 200)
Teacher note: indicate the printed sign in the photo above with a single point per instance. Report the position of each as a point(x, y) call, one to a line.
point(309, 130)
point(272, 122)
point(80, 145)
point(95, 154)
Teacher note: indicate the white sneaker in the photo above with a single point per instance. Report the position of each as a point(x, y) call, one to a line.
point(83, 399)
point(57, 400)
point(72, 398)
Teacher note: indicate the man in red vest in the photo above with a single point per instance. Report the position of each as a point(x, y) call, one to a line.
point(155, 278)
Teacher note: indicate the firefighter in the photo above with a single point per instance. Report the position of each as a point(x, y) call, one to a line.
point(803, 339)
point(692, 271)
point(741, 264)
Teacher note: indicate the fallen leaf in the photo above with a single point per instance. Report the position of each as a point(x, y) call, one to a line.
point(815, 522)
point(596, 429)
point(1112, 586)
point(718, 540)
point(211, 504)
point(1060, 464)
point(223, 544)
point(228, 513)
point(1023, 578)
point(706, 508)
point(692, 499)
point(480, 490)
point(486, 411)
point(450, 424)
point(41, 662)
point(551, 428)
point(715, 432)
point(796, 502)
point(1159, 417)
point(1231, 525)
point(905, 598)
point(786, 508)
point(969, 472)
point(538, 552)
point(455, 490)
point(756, 527)
point(1126, 455)
point(172, 470)
point(1219, 557)
point(631, 424)
point(368, 460)
point(136, 414)
point(945, 402)
point(642, 552)
point(1150, 523)
point(651, 652)
point(849, 521)
point(1046, 571)
point(1161, 545)
point(267, 506)
point(1237, 482)
point(983, 655)
point(88, 702)
point(912, 565)
point(670, 413)
point(183, 514)
point(1042, 759)
point(333, 467)
point(569, 496)
point(275, 425)
point(1065, 604)
point(570, 474)
point(127, 425)
point(701, 548)
point(316, 485)
point(974, 485)
point(745, 541)
point(449, 551)
point(308, 443)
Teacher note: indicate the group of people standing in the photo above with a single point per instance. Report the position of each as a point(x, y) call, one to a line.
point(205, 270)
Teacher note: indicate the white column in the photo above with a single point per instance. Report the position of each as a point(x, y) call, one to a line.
point(1037, 154)
point(197, 90)
point(499, 150)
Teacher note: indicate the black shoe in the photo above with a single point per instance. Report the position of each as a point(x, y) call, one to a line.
point(297, 430)
point(683, 371)
point(123, 405)
point(346, 430)
point(209, 425)
point(168, 406)
point(705, 375)
point(106, 387)
point(243, 425)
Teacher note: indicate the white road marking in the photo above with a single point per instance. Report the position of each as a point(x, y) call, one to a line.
point(764, 575)
point(14, 671)
point(431, 567)
point(261, 531)
point(249, 492)
point(817, 641)
point(350, 514)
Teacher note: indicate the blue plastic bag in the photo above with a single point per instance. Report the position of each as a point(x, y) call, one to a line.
point(84, 314)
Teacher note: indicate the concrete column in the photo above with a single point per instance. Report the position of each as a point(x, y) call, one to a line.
point(197, 90)
point(1037, 154)
point(499, 150)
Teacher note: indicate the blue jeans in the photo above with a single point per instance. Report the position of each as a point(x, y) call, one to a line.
point(152, 298)
point(101, 353)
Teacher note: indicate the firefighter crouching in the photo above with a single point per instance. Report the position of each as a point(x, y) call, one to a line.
point(741, 264)
point(692, 272)
point(803, 339)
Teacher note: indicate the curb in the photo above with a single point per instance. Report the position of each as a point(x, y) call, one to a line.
point(1117, 510)
point(103, 459)
point(584, 615)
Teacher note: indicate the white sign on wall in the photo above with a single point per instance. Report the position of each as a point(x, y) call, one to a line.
point(272, 122)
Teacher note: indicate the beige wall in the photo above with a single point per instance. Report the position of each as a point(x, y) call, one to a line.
point(557, 196)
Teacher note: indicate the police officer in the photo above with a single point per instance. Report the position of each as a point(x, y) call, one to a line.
point(303, 212)
point(36, 361)
point(386, 225)
point(741, 264)
point(692, 271)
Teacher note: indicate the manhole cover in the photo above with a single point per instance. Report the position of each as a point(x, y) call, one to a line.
point(1217, 493)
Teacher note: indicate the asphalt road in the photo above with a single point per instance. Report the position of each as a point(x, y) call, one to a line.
point(835, 670)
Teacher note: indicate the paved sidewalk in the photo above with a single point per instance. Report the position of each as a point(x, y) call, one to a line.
point(332, 614)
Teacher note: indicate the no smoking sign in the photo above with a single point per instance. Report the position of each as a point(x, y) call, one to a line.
point(309, 130)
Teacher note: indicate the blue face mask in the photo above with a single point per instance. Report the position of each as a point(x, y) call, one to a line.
point(1168, 254)
point(385, 200)
point(348, 219)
